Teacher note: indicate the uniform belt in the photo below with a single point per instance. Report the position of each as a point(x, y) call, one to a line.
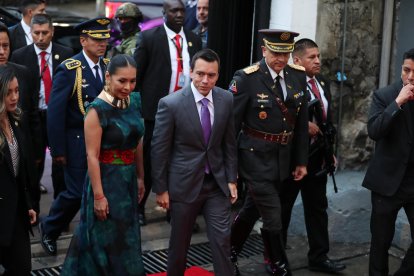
point(117, 157)
point(281, 138)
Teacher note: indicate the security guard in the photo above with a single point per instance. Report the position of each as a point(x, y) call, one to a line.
point(271, 114)
point(76, 83)
point(128, 16)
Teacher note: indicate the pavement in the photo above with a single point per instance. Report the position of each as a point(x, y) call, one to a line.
point(348, 211)
point(155, 235)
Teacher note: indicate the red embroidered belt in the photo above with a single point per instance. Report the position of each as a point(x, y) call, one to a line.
point(117, 157)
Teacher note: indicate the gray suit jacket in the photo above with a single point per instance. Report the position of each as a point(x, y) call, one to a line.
point(179, 153)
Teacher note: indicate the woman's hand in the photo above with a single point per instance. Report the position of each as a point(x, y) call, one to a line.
point(141, 189)
point(101, 208)
point(32, 216)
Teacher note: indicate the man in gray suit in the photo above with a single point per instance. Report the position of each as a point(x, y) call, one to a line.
point(194, 148)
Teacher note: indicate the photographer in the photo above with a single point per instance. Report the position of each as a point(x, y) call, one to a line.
point(321, 163)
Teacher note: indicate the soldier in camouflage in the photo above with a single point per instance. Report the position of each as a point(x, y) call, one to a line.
point(128, 15)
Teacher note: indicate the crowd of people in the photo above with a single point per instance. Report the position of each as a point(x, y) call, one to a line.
point(147, 115)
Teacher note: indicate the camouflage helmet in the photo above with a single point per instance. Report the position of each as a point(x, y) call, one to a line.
point(128, 10)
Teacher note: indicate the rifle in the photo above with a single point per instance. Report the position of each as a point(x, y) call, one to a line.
point(325, 140)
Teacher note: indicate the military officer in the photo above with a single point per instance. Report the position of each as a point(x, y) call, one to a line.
point(76, 83)
point(271, 115)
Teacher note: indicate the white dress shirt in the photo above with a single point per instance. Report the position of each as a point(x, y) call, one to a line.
point(92, 64)
point(48, 57)
point(198, 97)
point(323, 97)
point(27, 33)
point(281, 80)
point(173, 57)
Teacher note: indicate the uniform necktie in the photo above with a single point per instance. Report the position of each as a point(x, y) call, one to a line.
point(279, 86)
point(97, 76)
point(315, 92)
point(45, 74)
point(177, 42)
point(206, 125)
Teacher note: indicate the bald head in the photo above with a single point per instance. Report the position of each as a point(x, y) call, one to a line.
point(174, 12)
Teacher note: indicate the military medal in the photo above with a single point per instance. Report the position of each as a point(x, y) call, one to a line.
point(262, 115)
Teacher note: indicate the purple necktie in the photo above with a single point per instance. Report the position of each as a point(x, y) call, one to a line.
point(206, 125)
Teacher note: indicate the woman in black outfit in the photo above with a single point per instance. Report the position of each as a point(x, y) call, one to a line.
point(16, 213)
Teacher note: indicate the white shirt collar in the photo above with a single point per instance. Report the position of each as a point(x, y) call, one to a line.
point(198, 96)
point(48, 49)
point(274, 74)
point(26, 28)
point(171, 34)
point(89, 61)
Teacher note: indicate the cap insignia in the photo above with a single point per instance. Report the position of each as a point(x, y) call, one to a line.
point(103, 21)
point(285, 36)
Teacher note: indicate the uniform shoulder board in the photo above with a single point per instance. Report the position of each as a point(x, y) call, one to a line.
point(297, 67)
point(72, 63)
point(106, 60)
point(251, 69)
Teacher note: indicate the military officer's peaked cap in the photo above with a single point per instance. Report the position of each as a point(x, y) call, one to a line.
point(96, 28)
point(278, 41)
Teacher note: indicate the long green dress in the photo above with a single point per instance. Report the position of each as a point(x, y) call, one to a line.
point(113, 246)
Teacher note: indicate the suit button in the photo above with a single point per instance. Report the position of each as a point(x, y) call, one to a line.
point(284, 119)
point(78, 136)
point(86, 96)
point(251, 149)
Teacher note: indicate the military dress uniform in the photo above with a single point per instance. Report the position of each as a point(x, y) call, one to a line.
point(74, 88)
point(273, 140)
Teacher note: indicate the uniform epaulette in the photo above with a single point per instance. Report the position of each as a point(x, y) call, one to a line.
point(106, 60)
point(251, 69)
point(297, 67)
point(72, 63)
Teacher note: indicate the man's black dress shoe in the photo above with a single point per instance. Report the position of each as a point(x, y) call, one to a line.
point(43, 189)
point(48, 244)
point(329, 266)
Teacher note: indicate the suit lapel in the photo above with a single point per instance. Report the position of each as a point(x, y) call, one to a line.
point(289, 87)
point(266, 78)
point(88, 75)
point(189, 105)
point(164, 44)
point(190, 44)
point(56, 58)
point(218, 111)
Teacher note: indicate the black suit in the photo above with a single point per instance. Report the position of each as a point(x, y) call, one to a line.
point(313, 192)
point(27, 56)
point(15, 253)
point(17, 37)
point(153, 81)
point(29, 104)
point(390, 175)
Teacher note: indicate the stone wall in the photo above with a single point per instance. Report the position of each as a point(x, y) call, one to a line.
point(362, 63)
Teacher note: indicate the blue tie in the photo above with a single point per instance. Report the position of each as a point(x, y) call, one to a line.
point(206, 125)
point(97, 76)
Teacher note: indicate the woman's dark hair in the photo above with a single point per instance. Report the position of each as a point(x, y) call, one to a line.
point(120, 61)
point(7, 74)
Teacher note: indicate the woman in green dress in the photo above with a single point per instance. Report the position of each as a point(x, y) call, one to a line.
point(107, 240)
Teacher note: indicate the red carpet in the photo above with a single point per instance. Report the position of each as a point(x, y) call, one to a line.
point(192, 271)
